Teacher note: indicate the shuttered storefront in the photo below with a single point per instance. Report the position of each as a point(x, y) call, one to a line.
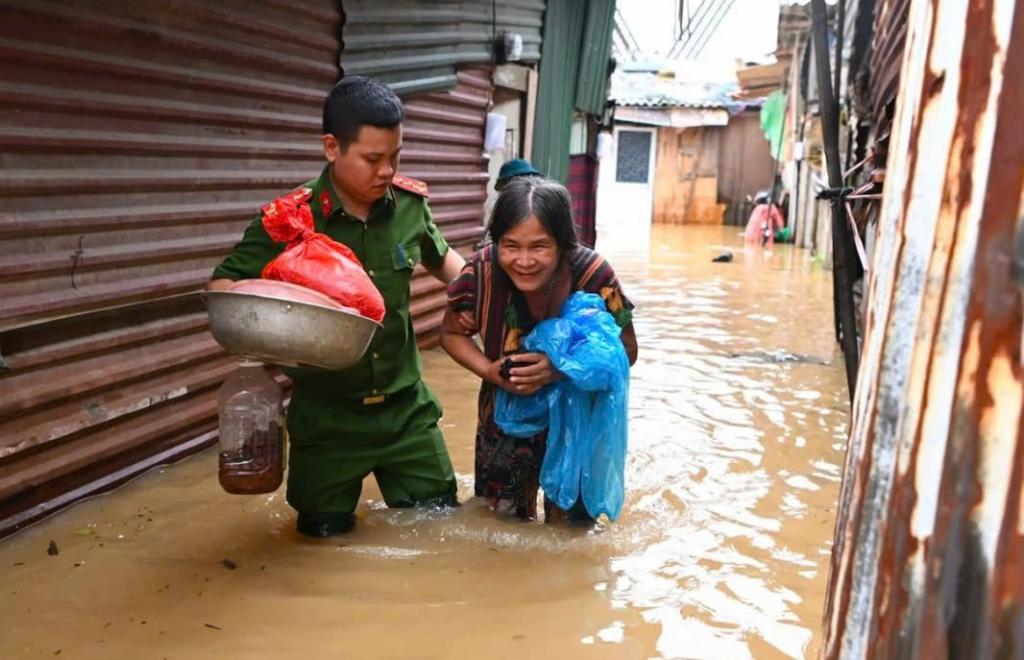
point(137, 141)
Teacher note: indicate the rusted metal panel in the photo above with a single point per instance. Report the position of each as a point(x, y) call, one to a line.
point(137, 141)
point(887, 56)
point(929, 544)
point(448, 129)
point(134, 153)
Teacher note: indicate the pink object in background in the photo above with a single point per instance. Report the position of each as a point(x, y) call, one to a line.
point(763, 213)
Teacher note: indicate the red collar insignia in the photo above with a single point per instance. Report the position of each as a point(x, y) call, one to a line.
point(326, 205)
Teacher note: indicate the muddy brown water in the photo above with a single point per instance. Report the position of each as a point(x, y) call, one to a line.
point(738, 417)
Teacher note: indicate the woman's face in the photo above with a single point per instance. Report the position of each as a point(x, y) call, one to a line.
point(528, 254)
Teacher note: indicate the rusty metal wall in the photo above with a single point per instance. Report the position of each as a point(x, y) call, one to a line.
point(444, 146)
point(136, 141)
point(886, 58)
point(929, 548)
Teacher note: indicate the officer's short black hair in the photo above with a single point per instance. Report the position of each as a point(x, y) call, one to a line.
point(357, 101)
point(524, 196)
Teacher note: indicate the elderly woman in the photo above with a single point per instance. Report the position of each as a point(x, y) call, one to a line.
point(534, 263)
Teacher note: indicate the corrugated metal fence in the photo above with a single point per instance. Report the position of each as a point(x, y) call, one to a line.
point(929, 552)
point(138, 139)
point(417, 45)
point(444, 146)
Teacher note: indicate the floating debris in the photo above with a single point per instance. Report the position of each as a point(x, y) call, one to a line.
point(229, 564)
point(52, 550)
point(780, 357)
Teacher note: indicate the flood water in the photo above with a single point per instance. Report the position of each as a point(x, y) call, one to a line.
point(738, 416)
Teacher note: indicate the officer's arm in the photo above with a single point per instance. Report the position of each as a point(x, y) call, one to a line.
point(439, 259)
point(450, 267)
point(247, 259)
point(221, 284)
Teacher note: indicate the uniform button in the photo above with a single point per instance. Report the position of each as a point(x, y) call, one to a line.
point(376, 356)
point(370, 273)
point(375, 391)
point(410, 262)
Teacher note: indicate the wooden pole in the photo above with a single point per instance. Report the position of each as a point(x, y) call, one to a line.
point(841, 241)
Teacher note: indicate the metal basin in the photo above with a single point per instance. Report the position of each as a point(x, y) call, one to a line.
point(288, 333)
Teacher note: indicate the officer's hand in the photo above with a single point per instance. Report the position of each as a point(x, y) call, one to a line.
point(466, 322)
point(530, 378)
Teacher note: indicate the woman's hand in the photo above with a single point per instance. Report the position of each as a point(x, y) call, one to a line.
point(529, 378)
point(494, 376)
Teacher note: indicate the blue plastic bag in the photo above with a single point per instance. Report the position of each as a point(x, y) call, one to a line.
point(585, 413)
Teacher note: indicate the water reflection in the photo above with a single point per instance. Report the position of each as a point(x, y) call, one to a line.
point(737, 421)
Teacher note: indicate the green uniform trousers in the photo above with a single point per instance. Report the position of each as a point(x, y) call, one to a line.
point(335, 443)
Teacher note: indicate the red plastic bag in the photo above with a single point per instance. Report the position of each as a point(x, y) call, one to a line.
point(315, 261)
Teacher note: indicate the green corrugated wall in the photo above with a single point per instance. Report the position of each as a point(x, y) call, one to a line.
point(573, 72)
point(592, 81)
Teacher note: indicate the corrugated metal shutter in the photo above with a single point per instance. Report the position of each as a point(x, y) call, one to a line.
point(417, 45)
point(444, 146)
point(556, 91)
point(137, 141)
point(592, 81)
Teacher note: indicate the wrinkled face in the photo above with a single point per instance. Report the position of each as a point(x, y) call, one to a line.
point(529, 254)
point(363, 171)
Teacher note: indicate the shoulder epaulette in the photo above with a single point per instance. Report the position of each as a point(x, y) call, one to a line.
point(410, 185)
point(300, 195)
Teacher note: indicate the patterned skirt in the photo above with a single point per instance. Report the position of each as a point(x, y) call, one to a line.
point(508, 469)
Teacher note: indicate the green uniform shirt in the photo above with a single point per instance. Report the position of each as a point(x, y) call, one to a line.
point(398, 234)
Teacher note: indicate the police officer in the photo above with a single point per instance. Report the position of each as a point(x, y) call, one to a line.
point(376, 416)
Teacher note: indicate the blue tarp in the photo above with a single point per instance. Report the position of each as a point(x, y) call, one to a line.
point(585, 414)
